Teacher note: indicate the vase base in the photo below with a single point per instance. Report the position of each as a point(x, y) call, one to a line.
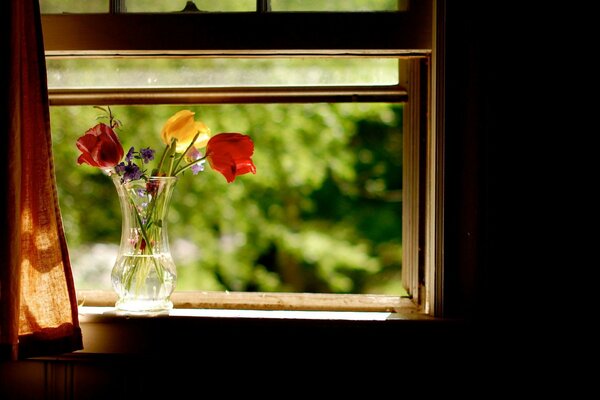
point(143, 306)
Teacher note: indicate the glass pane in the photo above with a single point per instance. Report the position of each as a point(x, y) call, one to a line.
point(323, 213)
point(73, 6)
point(212, 72)
point(339, 5)
point(179, 5)
point(141, 6)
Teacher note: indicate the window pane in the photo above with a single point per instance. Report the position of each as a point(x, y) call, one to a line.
point(322, 214)
point(73, 6)
point(179, 5)
point(339, 5)
point(215, 72)
point(102, 6)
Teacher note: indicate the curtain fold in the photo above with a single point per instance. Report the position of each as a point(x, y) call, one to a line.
point(38, 305)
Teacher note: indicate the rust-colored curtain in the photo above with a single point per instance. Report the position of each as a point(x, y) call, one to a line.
point(38, 306)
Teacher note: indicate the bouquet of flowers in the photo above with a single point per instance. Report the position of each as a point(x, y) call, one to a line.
point(228, 153)
point(144, 274)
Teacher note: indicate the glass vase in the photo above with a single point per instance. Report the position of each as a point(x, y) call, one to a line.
point(144, 275)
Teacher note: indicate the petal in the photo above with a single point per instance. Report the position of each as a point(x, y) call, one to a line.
point(204, 136)
point(224, 165)
point(180, 121)
point(85, 158)
point(244, 166)
point(230, 154)
point(181, 126)
point(236, 144)
point(100, 147)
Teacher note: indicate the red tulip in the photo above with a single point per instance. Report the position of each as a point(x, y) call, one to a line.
point(100, 147)
point(230, 154)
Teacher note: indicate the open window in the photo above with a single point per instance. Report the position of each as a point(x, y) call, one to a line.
point(255, 58)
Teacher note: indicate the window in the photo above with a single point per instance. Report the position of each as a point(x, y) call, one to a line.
point(150, 6)
point(394, 40)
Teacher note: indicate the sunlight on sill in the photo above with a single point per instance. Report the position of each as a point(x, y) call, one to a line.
point(89, 313)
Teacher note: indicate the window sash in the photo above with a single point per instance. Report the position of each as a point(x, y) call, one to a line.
point(386, 34)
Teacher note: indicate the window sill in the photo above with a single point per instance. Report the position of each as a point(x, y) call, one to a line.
point(194, 331)
point(268, 301)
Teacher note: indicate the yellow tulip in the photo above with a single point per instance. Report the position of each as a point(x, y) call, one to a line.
point(183, 127)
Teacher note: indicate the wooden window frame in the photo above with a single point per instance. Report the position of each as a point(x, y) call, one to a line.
point(413, 35)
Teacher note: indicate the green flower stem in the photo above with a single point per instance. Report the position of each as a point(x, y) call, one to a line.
point(185, 152)
point(180, 170)
point(167, 153)
point(148, 243)
point(150, 211)
point(171, 165)
point(162, 159)
point(170, 152)
point(130, 275)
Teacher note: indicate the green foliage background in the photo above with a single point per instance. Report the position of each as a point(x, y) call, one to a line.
point(322, 214)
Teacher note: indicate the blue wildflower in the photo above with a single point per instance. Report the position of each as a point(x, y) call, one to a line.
point(147, 155)
point(198, 167)
point(130, 155)
point(131, 173)
point(192, 155)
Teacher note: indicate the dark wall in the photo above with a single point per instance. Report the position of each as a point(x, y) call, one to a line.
point(468, 164)
point(488, 117)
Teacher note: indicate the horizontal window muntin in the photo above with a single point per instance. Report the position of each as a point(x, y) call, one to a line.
point(66, 97)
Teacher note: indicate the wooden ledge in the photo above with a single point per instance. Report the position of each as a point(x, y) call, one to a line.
point(268, 301)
